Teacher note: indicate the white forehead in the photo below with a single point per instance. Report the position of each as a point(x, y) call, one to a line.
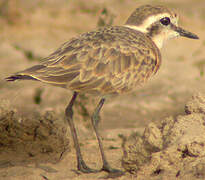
point(150, 20)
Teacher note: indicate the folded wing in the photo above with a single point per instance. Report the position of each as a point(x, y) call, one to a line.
point(100, 61)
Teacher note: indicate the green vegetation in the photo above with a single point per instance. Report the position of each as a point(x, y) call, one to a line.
point(28, 53)
point(106, 18)
point(37, 96)
point(113, 147)
point(201, 66)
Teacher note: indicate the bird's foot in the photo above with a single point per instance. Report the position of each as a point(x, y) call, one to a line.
point(113, 173)
point(85, 169)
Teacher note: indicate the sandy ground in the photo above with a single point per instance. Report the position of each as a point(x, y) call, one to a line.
point(35, 28)
point(170, 149)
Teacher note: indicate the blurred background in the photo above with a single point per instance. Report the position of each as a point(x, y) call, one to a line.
point(31, 30)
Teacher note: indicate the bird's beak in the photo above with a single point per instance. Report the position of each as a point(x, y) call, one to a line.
point(184, 33)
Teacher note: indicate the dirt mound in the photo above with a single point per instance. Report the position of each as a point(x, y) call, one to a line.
point(35, 139)
point(175, 148)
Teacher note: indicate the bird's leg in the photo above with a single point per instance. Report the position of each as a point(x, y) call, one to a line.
point(95, 121)
point(69, 116)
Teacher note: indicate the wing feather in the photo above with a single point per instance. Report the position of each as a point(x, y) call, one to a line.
point(99, 61)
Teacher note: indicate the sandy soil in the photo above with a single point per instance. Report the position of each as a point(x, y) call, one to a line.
point(171, 149)
point(31, 30)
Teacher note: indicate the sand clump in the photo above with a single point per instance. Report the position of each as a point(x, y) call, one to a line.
point(172, 149)
point(41, 138)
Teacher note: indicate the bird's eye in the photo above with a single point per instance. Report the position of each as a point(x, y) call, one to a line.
point(165, 21)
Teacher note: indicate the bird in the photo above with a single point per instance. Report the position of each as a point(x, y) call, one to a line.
point(108, 61)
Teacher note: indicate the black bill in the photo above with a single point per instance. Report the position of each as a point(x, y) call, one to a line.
point(184, 33)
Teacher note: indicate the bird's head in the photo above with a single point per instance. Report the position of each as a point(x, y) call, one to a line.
point(158, 22)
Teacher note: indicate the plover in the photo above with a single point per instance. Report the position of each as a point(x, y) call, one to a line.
point(109, 61)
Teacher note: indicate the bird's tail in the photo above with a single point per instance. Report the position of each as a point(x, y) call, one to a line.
point(20, 77)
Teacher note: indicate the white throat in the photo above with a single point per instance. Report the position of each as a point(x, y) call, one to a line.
point(158, 40)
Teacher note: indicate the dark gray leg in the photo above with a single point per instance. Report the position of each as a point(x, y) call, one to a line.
point(95, 122)
point(69, 116)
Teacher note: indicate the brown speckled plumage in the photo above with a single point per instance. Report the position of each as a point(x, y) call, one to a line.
point(110, 60)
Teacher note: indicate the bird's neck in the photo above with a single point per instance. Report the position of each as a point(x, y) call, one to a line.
point(158, 39)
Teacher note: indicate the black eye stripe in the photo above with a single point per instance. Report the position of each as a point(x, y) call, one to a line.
point(165, 21)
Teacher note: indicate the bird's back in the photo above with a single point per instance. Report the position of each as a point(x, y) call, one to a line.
point(110, 60)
